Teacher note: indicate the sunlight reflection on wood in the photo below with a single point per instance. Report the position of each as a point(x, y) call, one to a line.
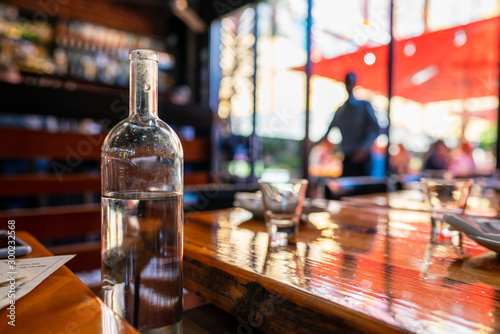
point(358, 269)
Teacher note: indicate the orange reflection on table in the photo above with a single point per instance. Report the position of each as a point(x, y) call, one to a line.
point(357, 261)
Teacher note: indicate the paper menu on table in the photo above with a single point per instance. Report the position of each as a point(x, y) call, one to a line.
point(27, 274)
point(6, 277)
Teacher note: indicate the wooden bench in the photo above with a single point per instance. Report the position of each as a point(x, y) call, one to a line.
point(69, 228)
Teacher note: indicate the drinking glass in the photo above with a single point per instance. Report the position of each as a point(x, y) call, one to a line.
point(282, 203)
point(445, 196)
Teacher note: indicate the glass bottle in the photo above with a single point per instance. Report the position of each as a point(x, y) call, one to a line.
point(142, 210)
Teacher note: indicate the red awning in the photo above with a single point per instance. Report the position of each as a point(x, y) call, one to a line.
point(456, 63)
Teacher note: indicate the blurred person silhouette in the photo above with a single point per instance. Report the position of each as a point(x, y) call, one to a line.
point(461, 161)
point(438, 156)
point(399, 162)
point(322, 154)
point(359, 128)
point(323, 162)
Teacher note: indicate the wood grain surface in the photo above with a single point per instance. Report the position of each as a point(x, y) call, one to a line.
point(61, 304)
point(359, 269)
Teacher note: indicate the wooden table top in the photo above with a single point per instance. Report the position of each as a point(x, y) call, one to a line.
point(61, 304)
point(353, 269)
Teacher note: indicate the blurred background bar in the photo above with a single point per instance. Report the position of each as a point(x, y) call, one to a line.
point(233, 85)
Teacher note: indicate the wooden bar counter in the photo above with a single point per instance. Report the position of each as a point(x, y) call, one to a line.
point(354, 269)
point(61, 304)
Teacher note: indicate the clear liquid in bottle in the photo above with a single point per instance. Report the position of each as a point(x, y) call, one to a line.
point(142, 259)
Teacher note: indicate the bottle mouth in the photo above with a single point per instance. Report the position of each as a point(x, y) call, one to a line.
point(138, 54)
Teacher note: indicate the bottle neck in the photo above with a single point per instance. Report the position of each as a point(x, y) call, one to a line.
point(144, 87)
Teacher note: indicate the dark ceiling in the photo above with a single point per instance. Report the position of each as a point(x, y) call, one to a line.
point(208, 10)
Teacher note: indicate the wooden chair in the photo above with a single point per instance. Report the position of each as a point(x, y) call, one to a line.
point(69, 229)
